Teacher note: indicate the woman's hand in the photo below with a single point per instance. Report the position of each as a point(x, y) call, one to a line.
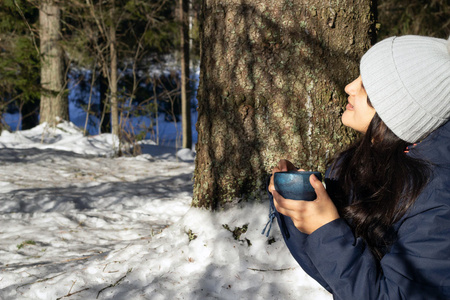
point(283, 166)
point(308, 215)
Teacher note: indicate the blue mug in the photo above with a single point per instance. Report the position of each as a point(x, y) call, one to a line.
point(295, 185)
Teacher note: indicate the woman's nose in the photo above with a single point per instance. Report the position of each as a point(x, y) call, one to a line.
point(351, 88)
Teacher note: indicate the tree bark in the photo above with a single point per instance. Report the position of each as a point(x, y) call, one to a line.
point(272, 87)
point(185, 99)
point(54, 103)
point(114, 78)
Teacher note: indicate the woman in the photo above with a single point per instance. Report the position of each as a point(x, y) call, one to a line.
point(381, 229)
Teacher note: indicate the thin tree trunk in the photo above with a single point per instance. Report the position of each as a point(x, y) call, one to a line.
point(272, 87)
point(114, 78)
point(185, 99)
point(54, 104)
point(105, 112)
point(88, 110)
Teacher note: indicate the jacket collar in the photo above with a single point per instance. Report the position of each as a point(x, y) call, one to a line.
point(435, 148)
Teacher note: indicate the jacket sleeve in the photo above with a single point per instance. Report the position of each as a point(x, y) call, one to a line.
point(295, 240)
point(416, 267)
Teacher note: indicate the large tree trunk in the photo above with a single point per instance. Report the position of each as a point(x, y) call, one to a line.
point(54, 104)
point(271, 87)
point(185, 99)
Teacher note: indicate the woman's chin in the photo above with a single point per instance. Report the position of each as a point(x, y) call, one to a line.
point(345, 119)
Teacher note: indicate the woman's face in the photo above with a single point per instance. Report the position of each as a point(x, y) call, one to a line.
point(358, 112)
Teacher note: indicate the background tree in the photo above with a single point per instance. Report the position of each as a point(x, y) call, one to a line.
point(123, 37)
point(185, 93)
point(54, 102)
point(271, 87)
point(19, 61)
point(422, 17)
point(99, 23)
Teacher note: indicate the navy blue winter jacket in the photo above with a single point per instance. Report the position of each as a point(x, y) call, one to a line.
point(417, 266)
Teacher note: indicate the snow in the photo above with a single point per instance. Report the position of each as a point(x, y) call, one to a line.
point(78, 223)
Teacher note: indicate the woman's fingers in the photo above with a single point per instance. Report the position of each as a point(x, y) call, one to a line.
point(282, 202)
point(285, 165)
point(286, 206)
point(271, 184)
point(282, 165)
point(308, 215)
point(318, 186)
point(278, 202)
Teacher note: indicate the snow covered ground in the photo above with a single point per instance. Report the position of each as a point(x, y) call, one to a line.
point(77, 223)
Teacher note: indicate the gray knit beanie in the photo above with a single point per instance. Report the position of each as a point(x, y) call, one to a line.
point(407, 80)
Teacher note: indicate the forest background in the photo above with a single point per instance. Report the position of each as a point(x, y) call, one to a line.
point(125, 64)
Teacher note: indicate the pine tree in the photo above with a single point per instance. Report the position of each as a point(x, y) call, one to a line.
point(19, 60)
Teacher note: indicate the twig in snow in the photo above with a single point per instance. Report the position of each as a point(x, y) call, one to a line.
point(70, 294)
point(270, 270)
point(40, 280)
point(72, 286)
point(47, 263)
point(75, 259)
point(114, 284)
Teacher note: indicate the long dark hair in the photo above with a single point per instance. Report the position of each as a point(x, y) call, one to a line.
point(381, 182)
